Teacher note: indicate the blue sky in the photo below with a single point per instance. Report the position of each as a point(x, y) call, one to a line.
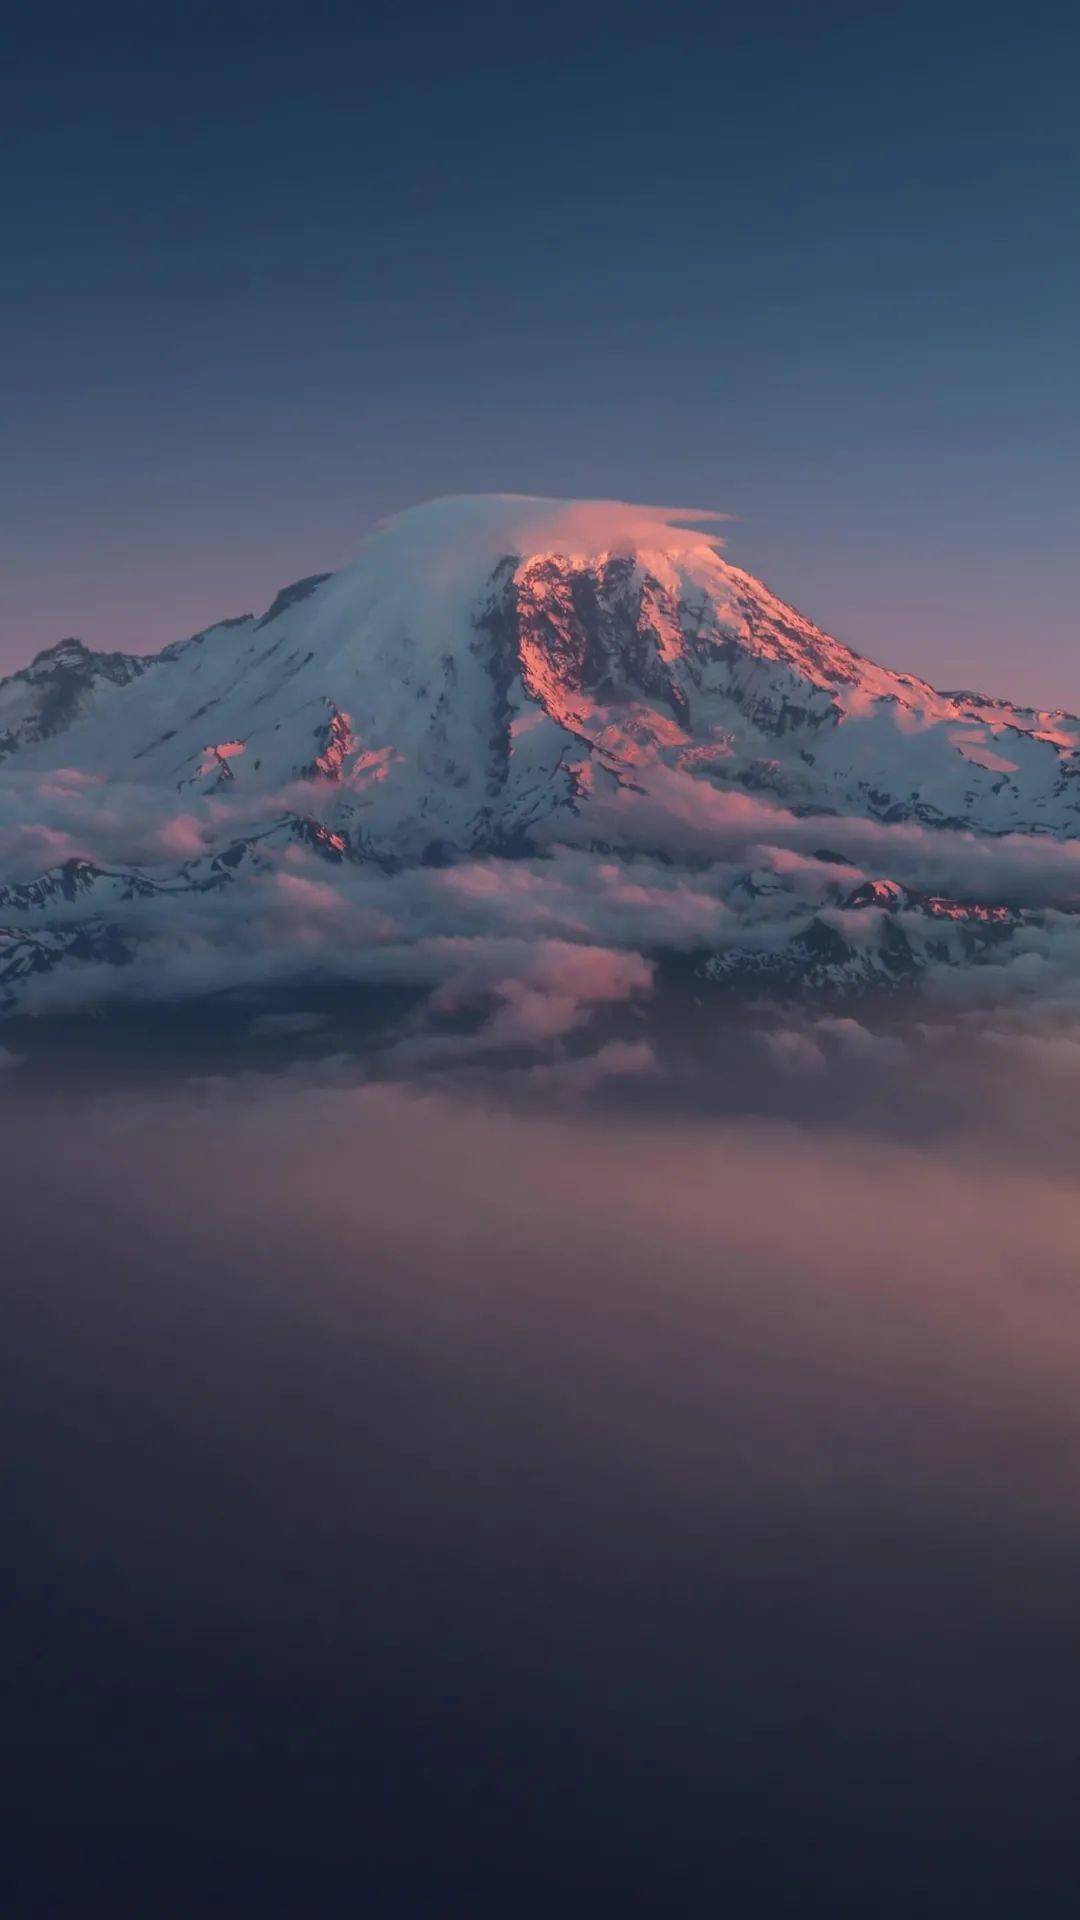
point(270, 276)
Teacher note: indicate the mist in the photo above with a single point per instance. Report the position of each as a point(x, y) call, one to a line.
point(521, 1497)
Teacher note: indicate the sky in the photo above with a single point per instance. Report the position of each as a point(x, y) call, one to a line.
point(270, 274)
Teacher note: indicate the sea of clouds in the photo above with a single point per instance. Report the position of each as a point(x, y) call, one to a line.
point(566, 954)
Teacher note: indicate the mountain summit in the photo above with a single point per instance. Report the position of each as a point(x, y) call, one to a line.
point(506, 676)
point(489, 666)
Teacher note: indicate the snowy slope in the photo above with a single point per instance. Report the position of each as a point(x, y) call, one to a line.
point(499, 676)
point(482, 668)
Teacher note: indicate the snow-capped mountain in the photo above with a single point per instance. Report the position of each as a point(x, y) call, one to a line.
point(483, 669)
point(496, 678)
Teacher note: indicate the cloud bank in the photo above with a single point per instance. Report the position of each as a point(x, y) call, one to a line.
point(567, 953)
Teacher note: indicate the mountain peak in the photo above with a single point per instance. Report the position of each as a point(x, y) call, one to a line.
point(68, 652)
point(501, 675)
point(494, 670)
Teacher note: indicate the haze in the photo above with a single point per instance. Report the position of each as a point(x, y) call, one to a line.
point(679, 1506)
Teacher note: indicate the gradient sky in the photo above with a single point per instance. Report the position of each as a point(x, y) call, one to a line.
point(272, 273)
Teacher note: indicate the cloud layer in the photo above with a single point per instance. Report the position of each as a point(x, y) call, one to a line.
point(557, 954)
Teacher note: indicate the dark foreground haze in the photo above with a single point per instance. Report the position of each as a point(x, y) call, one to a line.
point(426, 1505)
